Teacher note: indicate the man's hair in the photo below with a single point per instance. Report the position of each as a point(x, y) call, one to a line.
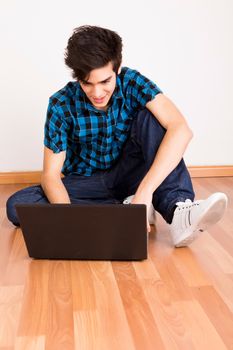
point(92, 47)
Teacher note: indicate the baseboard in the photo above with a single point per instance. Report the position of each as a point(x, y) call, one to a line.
point(35, 176)
point(211, 171)
point(21, 177)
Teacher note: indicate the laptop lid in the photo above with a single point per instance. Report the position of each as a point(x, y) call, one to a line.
point(92, 232)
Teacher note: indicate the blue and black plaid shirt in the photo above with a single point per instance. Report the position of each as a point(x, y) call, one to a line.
point(92, 138)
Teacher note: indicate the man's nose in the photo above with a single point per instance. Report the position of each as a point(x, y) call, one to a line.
point(97, 91)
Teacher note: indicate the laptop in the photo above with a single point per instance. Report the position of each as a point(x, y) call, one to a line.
point(84, 232)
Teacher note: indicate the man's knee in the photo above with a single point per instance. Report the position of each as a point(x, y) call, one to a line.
point(11, 210)
point(147, 124)
point(29, 194)
point(148, 133)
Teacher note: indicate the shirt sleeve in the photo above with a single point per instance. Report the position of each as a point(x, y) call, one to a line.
point(141, 90)
point(55, 130)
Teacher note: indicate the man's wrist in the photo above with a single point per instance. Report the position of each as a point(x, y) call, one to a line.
point(145, 188)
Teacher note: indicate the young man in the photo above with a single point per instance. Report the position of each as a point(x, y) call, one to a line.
point(113, 134)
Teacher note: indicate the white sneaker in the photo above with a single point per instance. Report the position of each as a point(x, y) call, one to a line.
point(151, 216)
point(191, 218)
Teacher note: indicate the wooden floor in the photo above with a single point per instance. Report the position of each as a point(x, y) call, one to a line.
point(176, 299)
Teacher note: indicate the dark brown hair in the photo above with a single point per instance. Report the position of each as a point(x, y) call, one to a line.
point(92, 47)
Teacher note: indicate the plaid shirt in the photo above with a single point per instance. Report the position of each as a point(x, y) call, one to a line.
point(92, 138)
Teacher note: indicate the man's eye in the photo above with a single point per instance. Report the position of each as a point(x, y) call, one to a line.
point(87, 83)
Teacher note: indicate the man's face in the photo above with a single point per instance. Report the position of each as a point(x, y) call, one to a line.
point(100, 86)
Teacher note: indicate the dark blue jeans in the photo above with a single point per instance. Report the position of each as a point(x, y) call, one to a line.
point(123, 178)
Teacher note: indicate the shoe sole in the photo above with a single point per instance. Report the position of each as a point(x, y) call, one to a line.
point(210, 217)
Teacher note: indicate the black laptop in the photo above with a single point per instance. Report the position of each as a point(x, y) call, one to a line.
point(90, 232)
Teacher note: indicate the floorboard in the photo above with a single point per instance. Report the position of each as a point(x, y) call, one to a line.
point(176, 299)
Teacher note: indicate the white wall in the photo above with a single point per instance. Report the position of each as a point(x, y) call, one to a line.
point(185, 46)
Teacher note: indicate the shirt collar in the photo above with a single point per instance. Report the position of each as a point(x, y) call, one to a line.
point(118, 89)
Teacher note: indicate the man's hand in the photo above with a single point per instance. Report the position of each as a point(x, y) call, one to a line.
point(143, 197)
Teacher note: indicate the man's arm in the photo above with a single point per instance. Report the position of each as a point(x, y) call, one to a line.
point(173, 145)
point(51, 177)
point(171, 149)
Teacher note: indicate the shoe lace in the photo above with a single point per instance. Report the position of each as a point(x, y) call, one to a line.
point(183, 205)
point(186, 208)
